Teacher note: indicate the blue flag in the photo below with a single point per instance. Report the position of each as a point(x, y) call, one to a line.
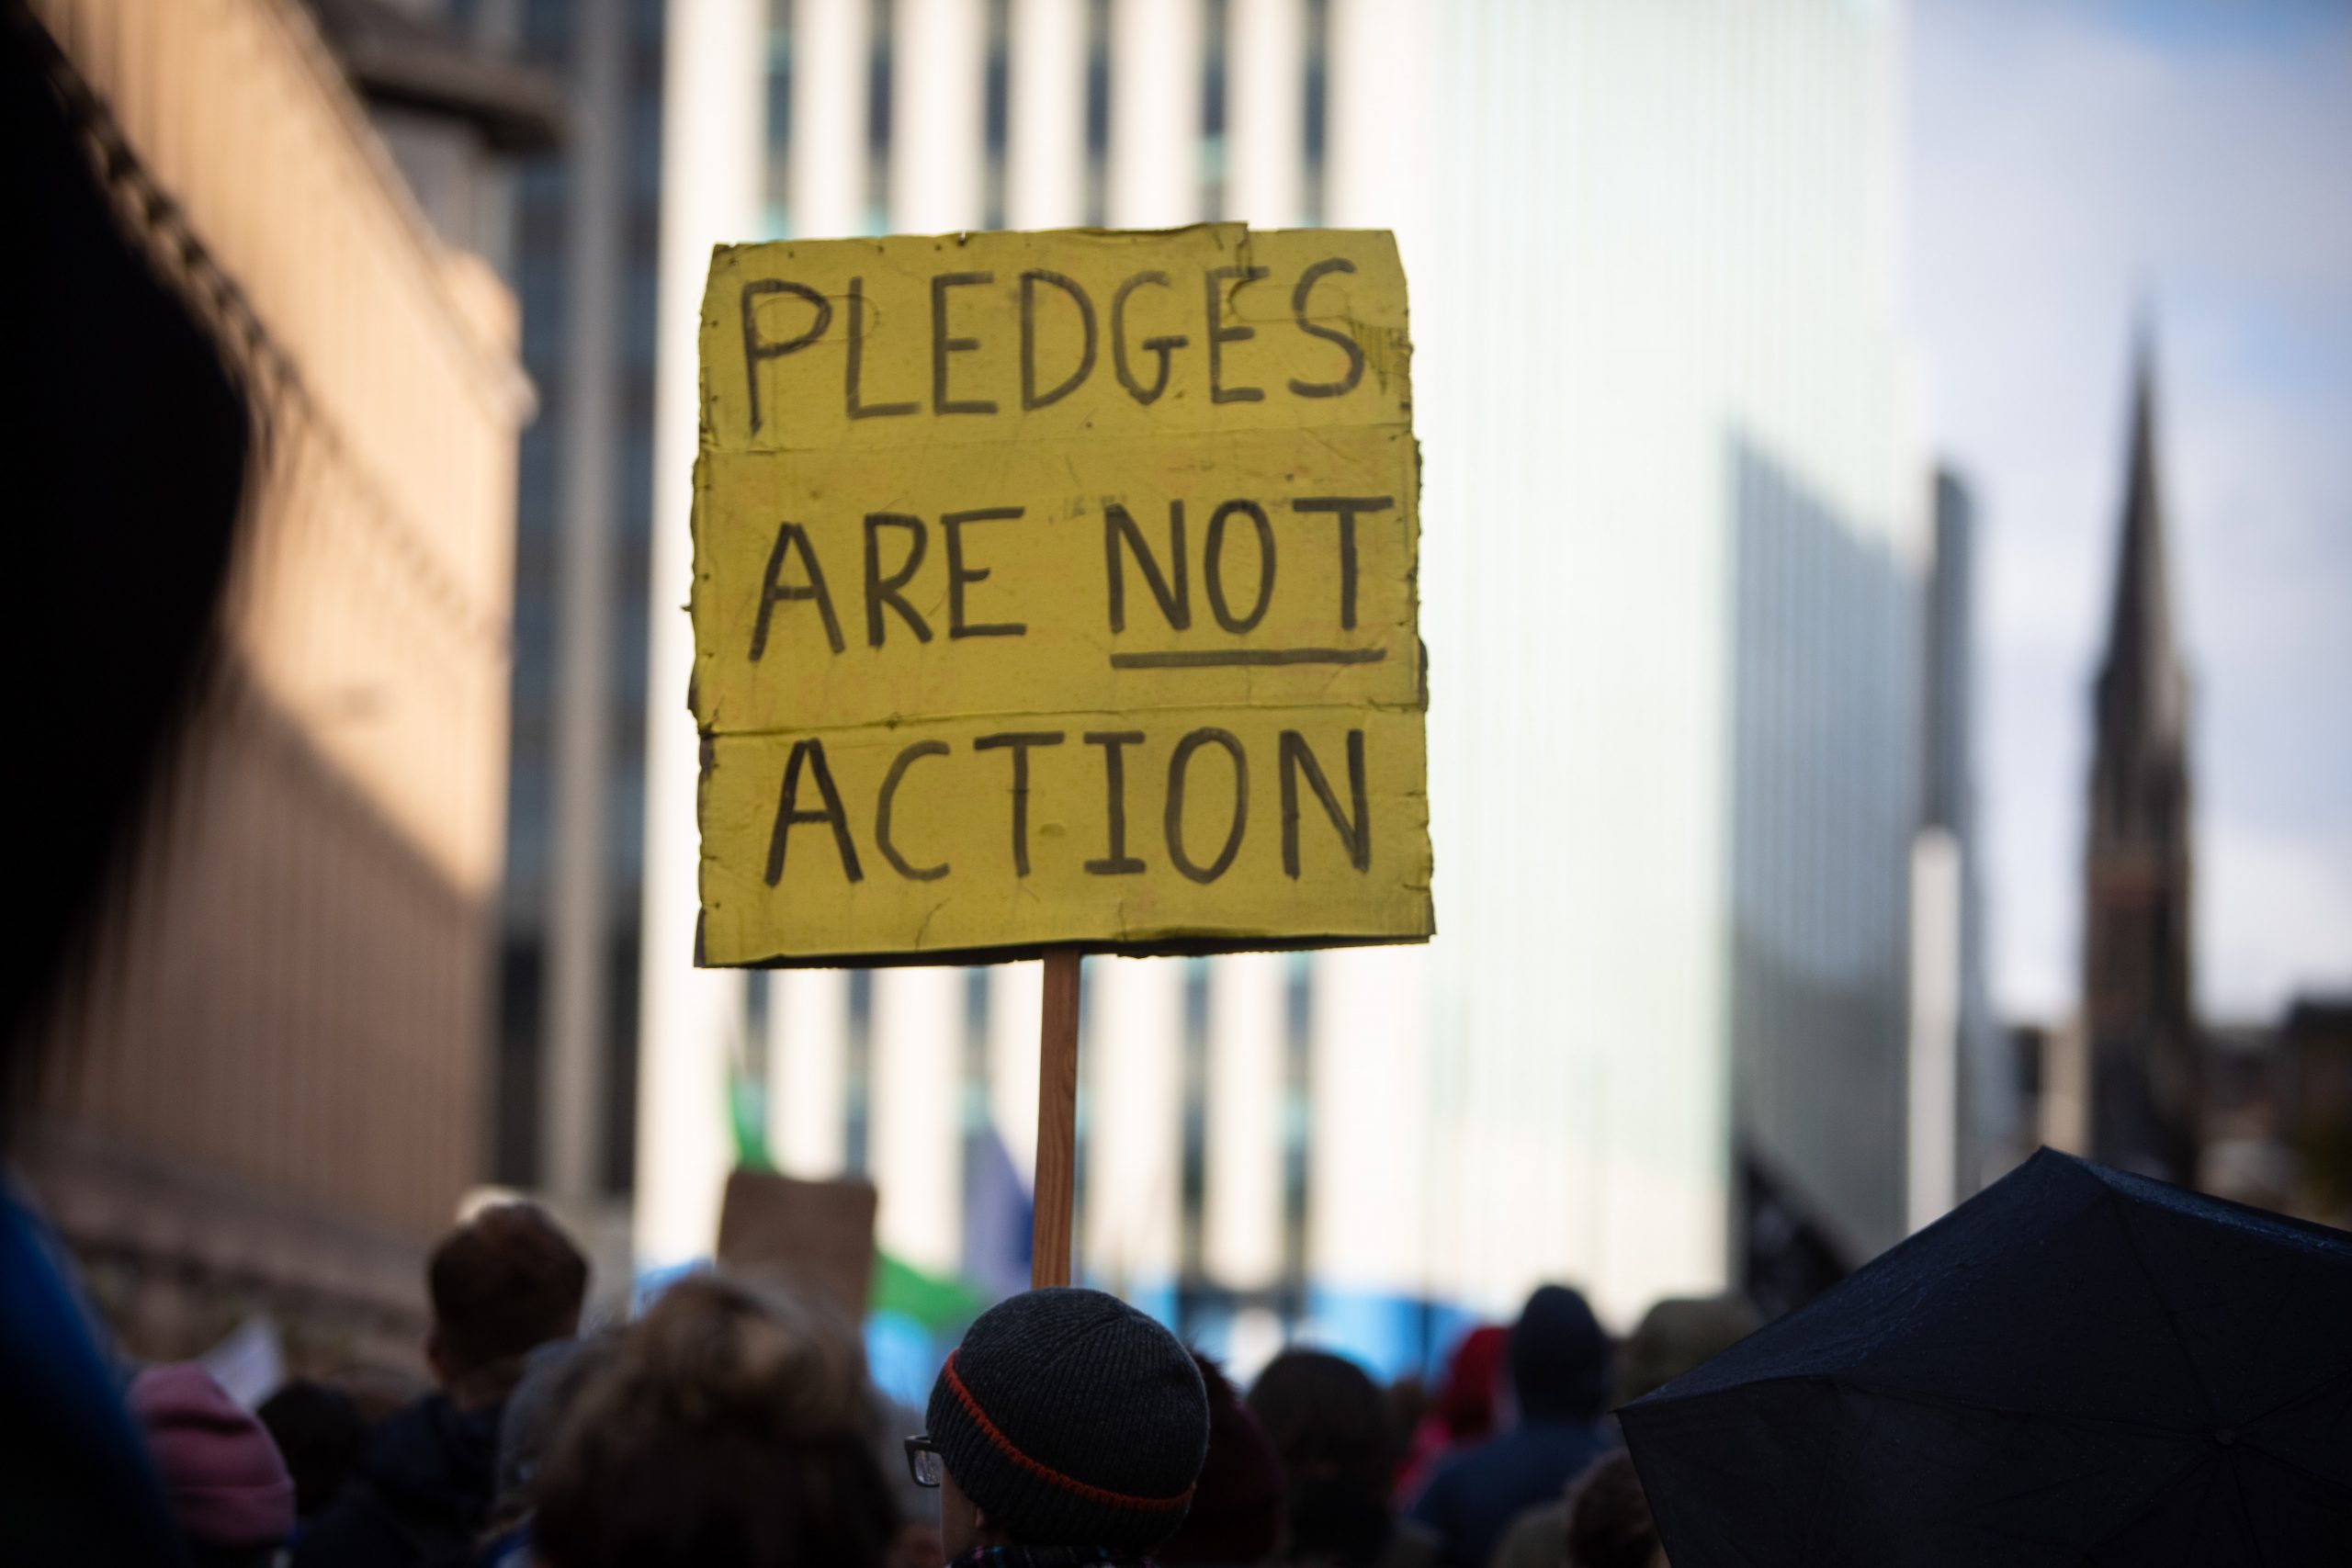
point(996, 1215)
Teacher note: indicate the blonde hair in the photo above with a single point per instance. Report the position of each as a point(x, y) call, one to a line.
point(730, 1425)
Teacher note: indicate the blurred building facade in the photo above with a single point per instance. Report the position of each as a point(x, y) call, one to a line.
point(1964, 1100)
point(1673, 584)
point(277, 1051)
point(2313, 1097)
point(2272, 1112)
point(584, 241)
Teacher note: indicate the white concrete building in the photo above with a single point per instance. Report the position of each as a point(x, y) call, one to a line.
point(1673, 534)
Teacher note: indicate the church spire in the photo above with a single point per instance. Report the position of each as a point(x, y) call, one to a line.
point(2142, 701)
point(2137, 949)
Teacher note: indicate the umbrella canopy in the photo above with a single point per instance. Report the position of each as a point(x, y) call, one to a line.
point(2076, 1366)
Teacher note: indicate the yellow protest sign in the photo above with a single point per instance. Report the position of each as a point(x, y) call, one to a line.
point(1058, 588)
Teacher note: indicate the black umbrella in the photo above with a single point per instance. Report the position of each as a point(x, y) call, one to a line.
point(2075, 1366)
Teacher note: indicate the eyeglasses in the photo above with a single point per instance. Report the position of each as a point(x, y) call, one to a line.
point(924, 1462)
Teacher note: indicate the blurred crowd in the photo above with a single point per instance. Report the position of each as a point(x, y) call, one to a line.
point(734, 1422)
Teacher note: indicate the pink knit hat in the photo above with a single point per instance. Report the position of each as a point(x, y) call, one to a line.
point(227, 1484)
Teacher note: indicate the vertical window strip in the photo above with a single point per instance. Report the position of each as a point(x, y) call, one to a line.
point(1098, 111)
point(776, 209)
point(620, 1054)
point(1316, 132)
point(997, 111)
point(977, 981)
point(978, 1126)
point(879, 67)
point(747, 1101)
point(1298, 1030)
point(1217, 22)
point(758, 993)
point(1192, 1185)
point(858, 1081)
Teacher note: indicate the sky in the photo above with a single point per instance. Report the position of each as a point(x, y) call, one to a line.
point(2076, 165)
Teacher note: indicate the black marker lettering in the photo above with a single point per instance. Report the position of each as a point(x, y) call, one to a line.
point(881, 590)
point(788, 537)
point(1118, 863)
point(1030, 397)
point(1176, 602)
point(1019, 743)
point(1213, 566)
point(951, 524)
point(1345, 507)
point(1179, 765)
point(1356, 832)
point(1165, 346)
point(888, 797)
point(1220, 334)
point(942, 345)
point(1306, 281)
point(788, 813)
point(857, 359)
point(756, 349)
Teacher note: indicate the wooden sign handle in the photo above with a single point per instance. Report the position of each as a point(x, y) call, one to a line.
point(1056, 1123)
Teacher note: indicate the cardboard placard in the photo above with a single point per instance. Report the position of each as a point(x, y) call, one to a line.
point(815, 1236)
point(1058, 588)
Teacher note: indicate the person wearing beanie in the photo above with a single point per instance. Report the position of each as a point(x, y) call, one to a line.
point(1558, 1359)
point(228, 1487)
point(1066, 1428)
point(1235, 1519)
point(502, 1285)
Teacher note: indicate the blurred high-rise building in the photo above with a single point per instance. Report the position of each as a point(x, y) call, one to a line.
point(1966, 1107)
point(584, 237)
point(1674, 555)
point(273, 1065)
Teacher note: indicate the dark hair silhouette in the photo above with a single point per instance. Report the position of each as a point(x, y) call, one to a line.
point(1609, 1517)
point(1336, 1435)
point(320, 1432)
point(504, 1283)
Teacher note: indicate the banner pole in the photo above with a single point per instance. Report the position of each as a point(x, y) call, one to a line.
point(1057, 1121)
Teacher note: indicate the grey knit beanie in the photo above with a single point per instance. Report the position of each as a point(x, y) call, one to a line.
point(1072, 1419)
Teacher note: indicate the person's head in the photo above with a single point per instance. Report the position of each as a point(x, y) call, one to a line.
point(730, 1426)
point(1559, 1357)
point(320, 1433)
point(553, 1377)
point(1333, 1431)
point(1675, 1334)
point(1474, 1376)
point(227, 1486)
point(1609, 1518)
point(1236, 1513)
point(503, 1283)
point(1067, 1418)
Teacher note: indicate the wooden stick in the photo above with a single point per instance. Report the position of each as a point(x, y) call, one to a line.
point(1057, 1121)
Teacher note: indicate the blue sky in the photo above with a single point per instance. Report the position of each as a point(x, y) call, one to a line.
point(2075, 161)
